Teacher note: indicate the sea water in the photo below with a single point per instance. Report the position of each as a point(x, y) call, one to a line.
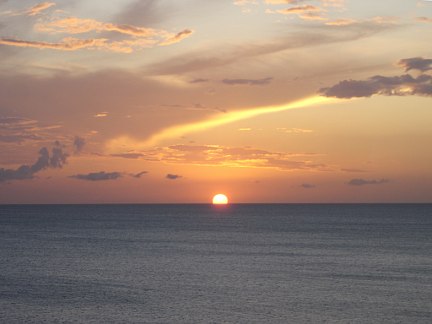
point(216, 264)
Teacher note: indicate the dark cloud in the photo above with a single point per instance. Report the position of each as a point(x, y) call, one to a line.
point(403, 85)
point(264, 81)
point(139, 175)
point(170, 176)
point(363, 182)
point(79, 144)
point(308, 186)
point(199, 80)
point(416, 63)
point(56, 160)
point(58, 157)
point(98, 176)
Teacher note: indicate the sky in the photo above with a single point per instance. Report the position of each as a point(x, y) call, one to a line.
point(167, 101)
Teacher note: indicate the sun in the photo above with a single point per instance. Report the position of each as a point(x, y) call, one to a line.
point(220, 199)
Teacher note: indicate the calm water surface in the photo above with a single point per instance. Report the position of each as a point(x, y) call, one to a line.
point(202, 264)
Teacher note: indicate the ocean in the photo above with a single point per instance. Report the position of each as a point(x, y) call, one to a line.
point(245, 263)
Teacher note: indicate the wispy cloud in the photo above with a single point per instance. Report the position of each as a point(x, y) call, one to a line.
point(18, 130)
point(252, 82)
point(363, 182)
point(37, 9)
point(67, 44)
point(308, 186)
point(98, 176)
point(139, 174)
point(216, 155)
point(201, 60)
point(341, 22)
point(137, 37)
point(176, 38)
point(424, 19)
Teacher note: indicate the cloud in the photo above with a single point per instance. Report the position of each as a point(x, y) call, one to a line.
point(177, 37)
point(403, 85)
point(18, 130)
point(142, 11)
point(67, 44)
point(98, 176)
point(199, 80)
point(341, 22)
point(299, 10)
point(101, 114)
point(416, 63)
point(139, 175)
point(170, 176)
point(353, 170)
point(146, 36)
point(214, 121)
point(264, 81)
point(128, 155)
point(244, 2)
point(56, 160)
point(276, 2)
point(294, 130)
point(309, 37)
point(75, 25)
point(307, 12)
point(137, 37)
point(424, 19)
point(307, 186)
point(363, 182)
point(37, 9)
point(225, 156)
point(79, 144)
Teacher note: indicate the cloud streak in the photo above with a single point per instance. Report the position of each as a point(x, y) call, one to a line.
point(235, 157)
point(134, 37)
point(98, 176)
point(363, 182)
point(215, 121)
point(253, 82)
point(170, 176)
point(403, 85)
point(67, 44)
point(37, 9)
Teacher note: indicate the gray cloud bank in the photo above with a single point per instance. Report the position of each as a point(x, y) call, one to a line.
point(98, 176)
point(56, 159)
point(403, 85)
point(363, 182)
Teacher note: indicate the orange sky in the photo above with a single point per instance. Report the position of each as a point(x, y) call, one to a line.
point(140, 101)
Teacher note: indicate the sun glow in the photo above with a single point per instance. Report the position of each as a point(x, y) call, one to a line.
point(214, 121)
point(220, 199)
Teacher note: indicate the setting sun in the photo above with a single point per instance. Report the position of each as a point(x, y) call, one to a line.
point(220, 199)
